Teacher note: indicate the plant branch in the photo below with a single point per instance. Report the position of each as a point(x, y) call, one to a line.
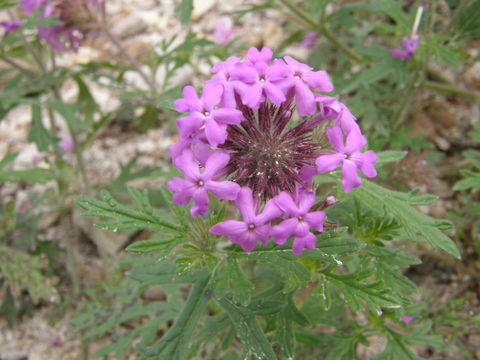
point(17, 65)
point(322, 29)
point(148, 80)
point(451, 89)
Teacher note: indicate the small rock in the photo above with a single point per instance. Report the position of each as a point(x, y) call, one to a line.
point(130, 25)
point(200, 7)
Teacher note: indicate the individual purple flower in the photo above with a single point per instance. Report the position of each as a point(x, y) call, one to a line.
point(10, 25)
point(223, 32)
point(300, 221)
point(332, 109)
point(409, 47)
point(301, 80)
point(222, 77)
point(349, 156)
point(66, 144)
point(260, 81)
point(204, 112)
point(259, 56)
point(254, 227)
point(406, 319)
point(309, 39)
point(197, 185)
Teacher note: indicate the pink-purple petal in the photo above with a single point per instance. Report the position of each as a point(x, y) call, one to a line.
point(318, 80)
point(229, 228)
point(286, 204)
point(328, 162)
point(335, 137)
point(350, 178)
point(227, 116)
point(226, 190)
point(315, 220)
point(284, 230)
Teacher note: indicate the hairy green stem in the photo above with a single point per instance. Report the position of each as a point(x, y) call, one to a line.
point(148, 80)
point(451, 89)
point(16, 65)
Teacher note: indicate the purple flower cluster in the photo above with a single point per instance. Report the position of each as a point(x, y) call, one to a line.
point(75, 20)
point(254, 136)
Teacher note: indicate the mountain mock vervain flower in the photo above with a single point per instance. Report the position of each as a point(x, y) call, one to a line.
point(76, 18)
point(256, 136)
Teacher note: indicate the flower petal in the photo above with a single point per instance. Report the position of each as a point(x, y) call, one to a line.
point(286, 204)
point(355, 141)
point(226, 190)
point(328, 162)
point(335, 136)
point(245, 204)
point(227, 116)
point(306, 242)
point(305, 99)
point(216, 133)
point(318, 80)
point(187, 165)
point(229, 228)
point(253, 96)
point(350, 178)
point(284, 230)
point(214, 164)
point(315, 220)
point(274, 93)
point(368, 159)
point(212, 93)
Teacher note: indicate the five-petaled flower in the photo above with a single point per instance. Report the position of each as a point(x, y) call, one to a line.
point(254, 226)
point(349, 156)
point(197, 185)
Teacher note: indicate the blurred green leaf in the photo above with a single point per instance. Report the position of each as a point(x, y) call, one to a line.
point(184, 11)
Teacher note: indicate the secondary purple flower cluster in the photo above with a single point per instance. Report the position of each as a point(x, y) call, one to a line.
point(242, 141)
point(75, 19)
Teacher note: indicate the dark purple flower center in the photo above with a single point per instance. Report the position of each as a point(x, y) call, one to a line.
point(265, 153)
point(200, 183)
point(251, 227)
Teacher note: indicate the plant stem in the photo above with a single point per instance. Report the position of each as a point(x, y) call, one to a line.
point(17, 65)
point(451, 89)
point(322, 29)
point(148, 80)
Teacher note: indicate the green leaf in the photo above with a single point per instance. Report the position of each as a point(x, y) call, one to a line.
point(255, 344)
point(241, 286)
point(68, 112)
point(184, 10)
point(471, 181)
point(174, 344)
point(146, 218)
point(416, 225)
point(390, 156)
point(7, 159)
point(358, 286)
point(34, 176)
point(38, 134)
point(158, 244)
point(7, 3)
point(375, 73)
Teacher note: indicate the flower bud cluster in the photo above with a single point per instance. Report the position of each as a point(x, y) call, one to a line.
point(241, 141)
